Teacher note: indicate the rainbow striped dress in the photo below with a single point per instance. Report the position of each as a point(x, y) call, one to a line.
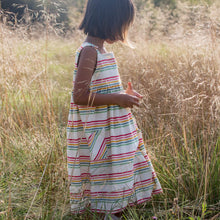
point(108, 167)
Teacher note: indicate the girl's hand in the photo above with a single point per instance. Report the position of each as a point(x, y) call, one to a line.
point(127, 101)
point(132, 92)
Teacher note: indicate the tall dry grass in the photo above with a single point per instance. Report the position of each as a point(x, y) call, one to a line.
point(177, 69)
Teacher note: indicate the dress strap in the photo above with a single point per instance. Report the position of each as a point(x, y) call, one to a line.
point(85, 44)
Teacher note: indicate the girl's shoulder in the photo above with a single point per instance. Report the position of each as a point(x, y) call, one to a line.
point(86, 51)
point(87, 45)
point(91, 50)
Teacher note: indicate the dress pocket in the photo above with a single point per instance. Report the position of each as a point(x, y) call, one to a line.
point(97, 145)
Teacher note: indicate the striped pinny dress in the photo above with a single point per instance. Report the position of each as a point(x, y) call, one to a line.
point(108, 167)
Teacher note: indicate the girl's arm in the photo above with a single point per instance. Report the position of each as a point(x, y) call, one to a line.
point(82, 95)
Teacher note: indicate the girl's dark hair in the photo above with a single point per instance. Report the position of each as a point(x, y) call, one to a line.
point(108, 19)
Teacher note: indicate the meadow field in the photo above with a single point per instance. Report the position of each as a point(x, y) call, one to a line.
point(175, 64)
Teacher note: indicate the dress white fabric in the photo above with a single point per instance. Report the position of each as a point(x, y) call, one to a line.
point(108, 166)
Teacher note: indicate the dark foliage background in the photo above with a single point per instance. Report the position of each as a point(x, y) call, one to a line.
point(61, 11)
point(18, 11)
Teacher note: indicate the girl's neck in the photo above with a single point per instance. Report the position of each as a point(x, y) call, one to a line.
point(96, 41)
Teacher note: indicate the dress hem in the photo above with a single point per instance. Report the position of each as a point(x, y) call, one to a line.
point(140, 201)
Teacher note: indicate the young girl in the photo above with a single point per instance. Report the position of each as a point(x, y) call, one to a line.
point(108, 166)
